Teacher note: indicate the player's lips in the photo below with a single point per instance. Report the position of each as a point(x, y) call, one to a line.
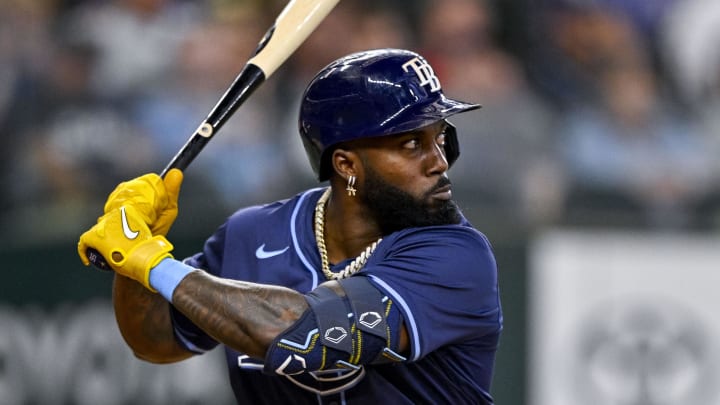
point(443, 193)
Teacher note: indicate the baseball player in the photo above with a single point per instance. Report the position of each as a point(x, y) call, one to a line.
point(372, 290)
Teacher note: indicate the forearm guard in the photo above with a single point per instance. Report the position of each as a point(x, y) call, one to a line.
point(339, 332)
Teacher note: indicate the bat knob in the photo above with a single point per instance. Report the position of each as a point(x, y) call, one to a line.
point(97, 260)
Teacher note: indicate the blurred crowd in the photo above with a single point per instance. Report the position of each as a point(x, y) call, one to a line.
point(595, 112)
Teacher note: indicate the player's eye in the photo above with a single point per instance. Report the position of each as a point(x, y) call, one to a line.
point(413, 143)
point(441, 139)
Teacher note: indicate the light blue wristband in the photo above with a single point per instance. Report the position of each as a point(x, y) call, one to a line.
point(166, 276)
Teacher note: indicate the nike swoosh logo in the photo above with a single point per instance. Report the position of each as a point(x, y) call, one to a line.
point(261, 253)
point(129, 233)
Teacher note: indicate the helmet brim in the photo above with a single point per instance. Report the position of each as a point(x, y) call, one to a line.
point(423, 115)
point(449, 107)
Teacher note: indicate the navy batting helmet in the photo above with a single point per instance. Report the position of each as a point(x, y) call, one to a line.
point(373, 93)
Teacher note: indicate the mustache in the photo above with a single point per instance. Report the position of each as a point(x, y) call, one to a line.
point(442, 182)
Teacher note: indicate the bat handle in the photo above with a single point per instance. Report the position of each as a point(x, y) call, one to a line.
point(97, 259)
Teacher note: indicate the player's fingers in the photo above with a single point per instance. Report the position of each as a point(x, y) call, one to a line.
point(83, 248)
point(140, 190)
point(173, 180)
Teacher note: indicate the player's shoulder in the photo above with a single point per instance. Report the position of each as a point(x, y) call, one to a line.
point(282, 210)
point(444, 248)
point(462, 235)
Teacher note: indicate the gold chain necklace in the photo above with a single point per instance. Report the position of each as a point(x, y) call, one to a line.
point(351, 268)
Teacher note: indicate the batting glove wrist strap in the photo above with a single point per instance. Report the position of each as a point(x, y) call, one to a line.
point(141, 259)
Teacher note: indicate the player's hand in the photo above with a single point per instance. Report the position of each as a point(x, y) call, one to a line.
point(124, 239)
point(155, 199)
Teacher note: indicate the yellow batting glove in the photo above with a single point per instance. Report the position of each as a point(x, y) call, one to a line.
point(124, 239)
point(155, 199)
point(173, 180)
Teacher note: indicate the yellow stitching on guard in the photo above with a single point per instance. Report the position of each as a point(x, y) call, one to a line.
point(358, 349)
point(387, 328)
point(355, 355)
point(324, 358)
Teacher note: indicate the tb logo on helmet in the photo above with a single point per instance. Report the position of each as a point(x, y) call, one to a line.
point(424, 72)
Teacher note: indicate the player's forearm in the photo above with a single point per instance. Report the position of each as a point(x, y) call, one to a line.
point(144, 321)
point(244, 316)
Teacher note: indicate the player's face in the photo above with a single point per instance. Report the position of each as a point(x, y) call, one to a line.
point(405, 181)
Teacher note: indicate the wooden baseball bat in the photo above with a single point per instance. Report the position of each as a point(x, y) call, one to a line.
point(293, 25)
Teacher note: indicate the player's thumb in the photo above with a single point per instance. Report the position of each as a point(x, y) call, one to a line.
point(173, 180)
point(83, 249)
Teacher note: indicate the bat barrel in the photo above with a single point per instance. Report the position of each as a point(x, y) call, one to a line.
point(296, 22)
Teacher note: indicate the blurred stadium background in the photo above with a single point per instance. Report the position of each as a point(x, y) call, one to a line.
point(593, 167)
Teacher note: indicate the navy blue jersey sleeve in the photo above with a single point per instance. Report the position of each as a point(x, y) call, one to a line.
point(211, 257)
point(444, 280)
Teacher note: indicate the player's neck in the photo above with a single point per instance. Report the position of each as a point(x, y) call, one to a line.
point(349, 228)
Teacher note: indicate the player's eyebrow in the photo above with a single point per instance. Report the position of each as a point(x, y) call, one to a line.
point(442, 127)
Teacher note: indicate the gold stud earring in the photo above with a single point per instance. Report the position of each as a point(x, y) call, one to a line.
point(351, 186)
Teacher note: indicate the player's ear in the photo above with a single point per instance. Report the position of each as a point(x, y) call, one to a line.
point(345, 162)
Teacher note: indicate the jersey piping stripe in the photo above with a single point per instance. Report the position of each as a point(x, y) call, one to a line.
point(357, 376)
point(296, 245)
point(301, 346)
point(188, 344)
point(409, 321)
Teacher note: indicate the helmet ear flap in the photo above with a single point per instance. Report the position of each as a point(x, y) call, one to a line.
point(452, 145)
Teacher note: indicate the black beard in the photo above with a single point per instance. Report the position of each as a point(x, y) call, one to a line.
point(394, 209)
